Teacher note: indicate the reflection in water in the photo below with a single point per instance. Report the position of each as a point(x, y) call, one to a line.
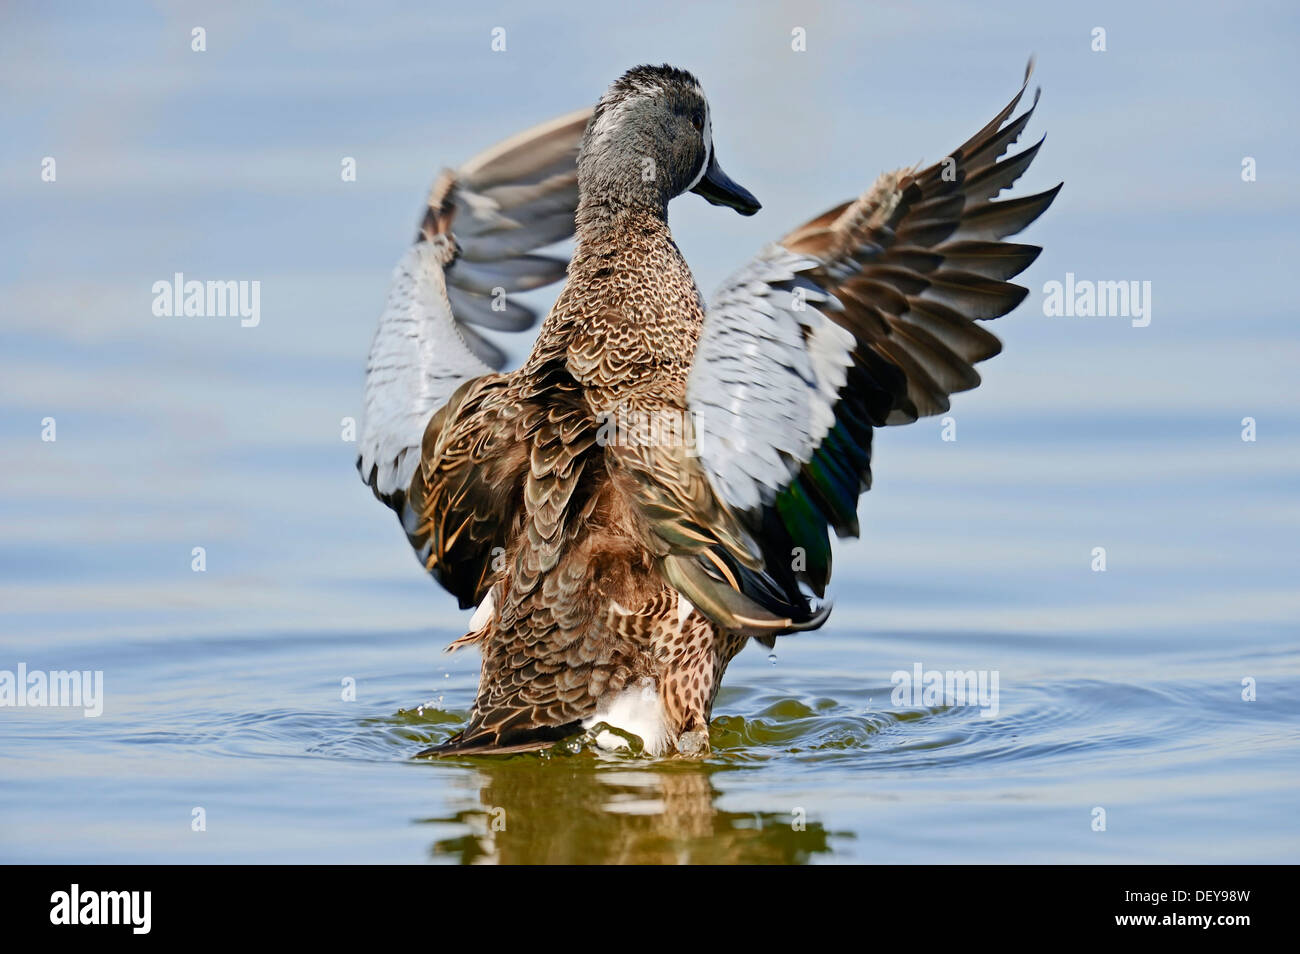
point(581, 811)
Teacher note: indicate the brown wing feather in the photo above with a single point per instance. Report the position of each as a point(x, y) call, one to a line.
point(916, 262)
point(466, 492)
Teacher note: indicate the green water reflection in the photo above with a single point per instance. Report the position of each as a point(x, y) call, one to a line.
point(581, 811)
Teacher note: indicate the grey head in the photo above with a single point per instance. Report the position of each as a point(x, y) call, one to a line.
point(649, 140)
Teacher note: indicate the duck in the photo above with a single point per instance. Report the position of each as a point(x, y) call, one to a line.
point(658, 482)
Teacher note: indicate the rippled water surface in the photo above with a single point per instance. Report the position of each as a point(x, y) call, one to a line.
point(1160, 697)
point(811, 762)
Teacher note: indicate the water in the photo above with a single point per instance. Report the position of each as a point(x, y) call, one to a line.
point(811, 761)
point(1120, 691)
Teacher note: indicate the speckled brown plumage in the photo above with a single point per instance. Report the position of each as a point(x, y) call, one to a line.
point(582, 608)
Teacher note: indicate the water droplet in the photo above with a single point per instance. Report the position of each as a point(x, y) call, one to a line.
point(772, 659)
point(446, 675)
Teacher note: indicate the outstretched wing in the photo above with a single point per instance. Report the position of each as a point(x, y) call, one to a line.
point(474, 247)
point(865, 316)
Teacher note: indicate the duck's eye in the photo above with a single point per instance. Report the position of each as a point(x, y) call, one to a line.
point(697, 120)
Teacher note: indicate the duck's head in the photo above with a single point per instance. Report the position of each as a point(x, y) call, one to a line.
point(650, 139)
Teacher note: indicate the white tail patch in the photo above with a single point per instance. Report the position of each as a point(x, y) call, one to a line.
point(684, 609)
point(483, 614)
point(636, 710)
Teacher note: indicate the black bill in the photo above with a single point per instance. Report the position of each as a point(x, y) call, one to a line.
point(717, 187)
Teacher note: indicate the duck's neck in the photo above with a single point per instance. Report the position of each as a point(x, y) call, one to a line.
point(601, 222)
point(629, 314)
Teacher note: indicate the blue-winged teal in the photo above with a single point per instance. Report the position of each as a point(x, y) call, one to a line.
point(656, 484)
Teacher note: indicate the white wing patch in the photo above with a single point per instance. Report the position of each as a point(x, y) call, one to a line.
point(501, 207)
point(766, 376)
point(417, 360)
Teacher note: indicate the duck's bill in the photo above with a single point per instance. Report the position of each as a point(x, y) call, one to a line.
point(717, 187)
